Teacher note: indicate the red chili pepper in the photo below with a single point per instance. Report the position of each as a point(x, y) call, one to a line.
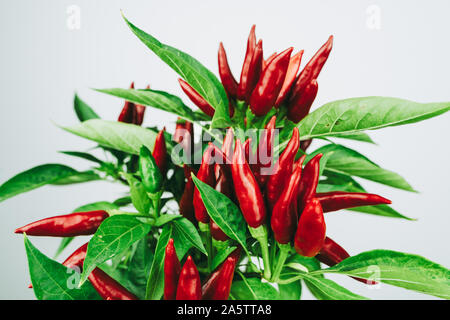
point(264, 154)
point(172, 269)
point(196, 98)
point(311, 230)
point(227, 146)
point(310, 179)
point(251, 45)
point(294, 65)
point(128, 112)
point(248, 149)
point(311, 70)
point(301, 106)
point(160, 152)
point(226, 76)
point(184, 135)
point(216, 232)
point(186, 202)
point(75, 260)
point(268, 60)
point(283, 170)
point(108, 288)
point(284, 215)
point(337, 200)
point(69, 225)
point(265, 94)
point(219, 283)
point(332, 253)
point(139, 113)
point(247, 190)
point(189, 285)
point(304, 144)
point(206, 175)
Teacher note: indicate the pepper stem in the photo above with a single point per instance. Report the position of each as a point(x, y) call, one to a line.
point(260, 234)
point(284, 253)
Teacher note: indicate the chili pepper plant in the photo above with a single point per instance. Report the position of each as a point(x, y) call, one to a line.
point(239, 212)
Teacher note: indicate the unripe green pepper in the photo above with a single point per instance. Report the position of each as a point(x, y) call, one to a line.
point(149, 171)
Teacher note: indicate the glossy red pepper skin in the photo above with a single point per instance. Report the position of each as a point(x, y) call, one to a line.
point(268, 60)
point(160, 152)
point(271, 81)
point(226, 76)
point(247, 189)
point(186, 203)
point(264, 154)
point(216, 232)
point(337, 200)
point(219, 283)
point(311, 230)
point(206, 175)
point(332, 253)
point(139, 113)
point(311, 70)
point(128, 113)
point(300, 107)
point(108, 288)
point(75, 260)
point(172, 269)
point(251, 45)
point(291, 74)
point(284, 213)
point(196, 98)
point(309, 182)
point(283, 169)
point(69, 225)
point(189, 285)
point(184, 135)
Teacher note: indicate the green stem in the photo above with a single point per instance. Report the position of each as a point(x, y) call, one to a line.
point(204, 228)
point(260, 234)
point(284, 253)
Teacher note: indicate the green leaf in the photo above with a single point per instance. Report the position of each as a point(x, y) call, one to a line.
point(116, 135)
point(122, 202)
point(253, 289)
point(78, 177)
point(166, 218)
point(114, 236)
point(357, 136)
point(191, 70)
point(83, 111)
point(34, 178)
point(290, 291)
point(326, 289)
point(366, 113)
point(139, 196)
point(404, 270)
point(153, 98)
point(185, 236)
point(221, 256)
point(223, 212)
point(53, 281)
point(82, 155)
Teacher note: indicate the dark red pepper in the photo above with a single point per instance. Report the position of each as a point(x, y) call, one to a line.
point(300, 107)
point(160, 152)
point(108, 288)
point(172, 269)
point(229, 83)
point(337, 200)
point(184, 135)
point(196, 98)
point(304, 144)
point(186, 201)
point(268, 60)
point(75, 260)
point(291, 74)
point(264, 154)
point(310, 179)
point(128, 113)
point(251, 45)
point(69, 225)
point(206, 175)
point(189, 285)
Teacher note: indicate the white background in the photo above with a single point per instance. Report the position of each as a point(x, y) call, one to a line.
point(43, 63)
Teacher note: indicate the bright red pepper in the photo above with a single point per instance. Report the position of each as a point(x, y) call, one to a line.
point(196, 98)
point(310, 179)
point(108, 288)
point(332, 253)
point(247, 189)
point(172, 269)
point(311, 230)
point(283, 170)
point(265, 94)
point(219, 283)
point(284, 215)
point(301, 106)
point(206, 175)
point(186, 203)
point(291, 74)
point(189, 285)
point(160, 152)
point(251, 45)
point(337, 200)
point(69, 225)
point(75, 260)
point(264, 153)
point(268, 60)
point(229, 83)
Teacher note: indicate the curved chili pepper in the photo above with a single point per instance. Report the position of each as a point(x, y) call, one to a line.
point(255, 69)
point(284, 217)
point(196, 98)
point(311, 70)
point(283, 169)
point(160, 152)
point(251, 45)
point(139, 113)
point(226, 76)
point(206, 175)
point(301, 106)
point(304, 144)
point(219, 283)
point(189, 285)
point(108, 288)
point(264, 153)
point(247, 190)
point(69, 225)
point(310, 179)
point(311, 230)
point(75, 260)
point(294, 65)
point(332, 253)
point(265, 94)
point(172, 269)
point(248, 149)
point(186, 201)
point(184, 135)
point(148, 169)
point(216, 232)
point(128, 113)
point(268, 60)
point(337, 200)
